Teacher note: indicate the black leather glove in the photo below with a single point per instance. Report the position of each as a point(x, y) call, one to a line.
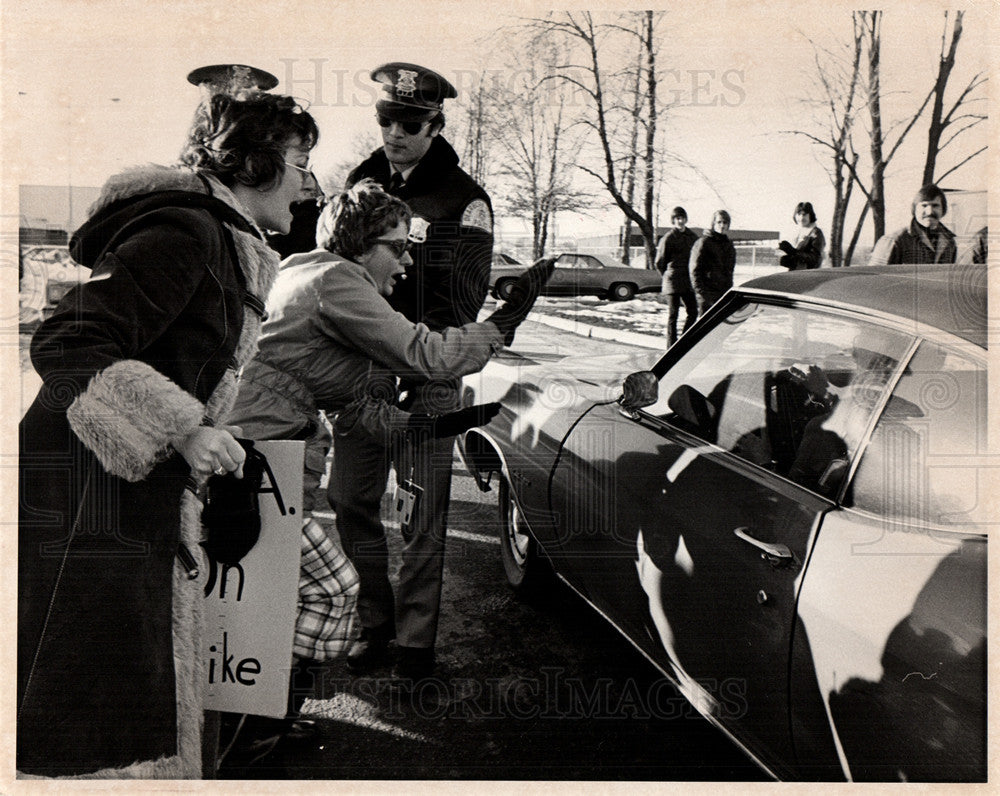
point(522, 299)
point(454, 423)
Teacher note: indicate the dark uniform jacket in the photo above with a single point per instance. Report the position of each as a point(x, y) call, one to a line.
point(447, 283)
point(672, 260)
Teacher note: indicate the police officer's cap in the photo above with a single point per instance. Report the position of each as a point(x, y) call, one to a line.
point(411, 93)
point(231, 78)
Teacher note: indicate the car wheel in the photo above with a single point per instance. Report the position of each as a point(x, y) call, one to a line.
point(621, 291)
point(503, 288)
point(527, 572)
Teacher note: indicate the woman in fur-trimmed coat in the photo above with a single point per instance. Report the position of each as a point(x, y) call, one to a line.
point(137, 364)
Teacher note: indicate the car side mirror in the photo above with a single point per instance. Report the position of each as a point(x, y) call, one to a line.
point(639, 389)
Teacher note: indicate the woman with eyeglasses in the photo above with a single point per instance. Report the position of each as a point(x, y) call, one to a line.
point(332, 342)
point(138, 368)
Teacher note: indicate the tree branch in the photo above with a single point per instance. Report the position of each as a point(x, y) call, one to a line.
point(913, 121)
point(976, 81)
point(962, 129)
point(962, 163)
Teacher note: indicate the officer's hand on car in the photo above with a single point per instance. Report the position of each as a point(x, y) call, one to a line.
point(521, 299)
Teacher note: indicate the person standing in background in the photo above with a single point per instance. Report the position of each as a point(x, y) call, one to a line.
point(806, 251)
point(672, 255)
point(925, 240)
point(712, 262)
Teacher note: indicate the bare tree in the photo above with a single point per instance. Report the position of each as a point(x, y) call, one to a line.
point(475, 156)
point(518, 127)
point(632, 157)
point(940, 121)
point(333, 178)
point(871, 23)
point(606, 115)
point(842, 89)
point(838, 76)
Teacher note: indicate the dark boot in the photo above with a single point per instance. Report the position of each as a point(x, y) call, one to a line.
point(371, 649)
point(413, 664)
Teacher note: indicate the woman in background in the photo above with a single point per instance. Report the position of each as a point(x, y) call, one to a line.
point(806, 250)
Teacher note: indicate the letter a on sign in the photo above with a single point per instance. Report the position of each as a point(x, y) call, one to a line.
point(250, 608)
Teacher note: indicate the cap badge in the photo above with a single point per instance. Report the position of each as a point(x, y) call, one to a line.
point(406, 83)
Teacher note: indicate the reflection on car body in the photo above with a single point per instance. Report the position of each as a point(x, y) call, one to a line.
point(786, 512)
point(583, 274)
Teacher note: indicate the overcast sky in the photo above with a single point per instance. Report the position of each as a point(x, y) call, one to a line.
point(91, 87)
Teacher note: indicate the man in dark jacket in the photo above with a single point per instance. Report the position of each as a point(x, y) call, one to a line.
point(451, 237)
point(713, 260)
point(672, 261)
point(925, 240)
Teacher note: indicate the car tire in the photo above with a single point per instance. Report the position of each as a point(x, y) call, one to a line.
point(502, 288)
point(621, 291)
point(527, 572)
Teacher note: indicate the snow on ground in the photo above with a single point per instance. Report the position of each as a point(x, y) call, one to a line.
point(644, 315)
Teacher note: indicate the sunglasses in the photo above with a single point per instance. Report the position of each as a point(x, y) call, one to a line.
point(398, 246)
point(410, 128)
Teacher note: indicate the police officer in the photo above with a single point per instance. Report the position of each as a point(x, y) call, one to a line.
point(451, 235)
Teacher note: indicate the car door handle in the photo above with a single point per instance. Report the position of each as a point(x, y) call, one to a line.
point(778, 551)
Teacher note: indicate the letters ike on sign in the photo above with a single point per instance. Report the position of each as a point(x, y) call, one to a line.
point(250, 607)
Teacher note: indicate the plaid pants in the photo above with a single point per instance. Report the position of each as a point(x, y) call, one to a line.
point(328, 596)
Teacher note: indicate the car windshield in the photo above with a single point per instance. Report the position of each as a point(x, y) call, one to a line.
point(791, 389)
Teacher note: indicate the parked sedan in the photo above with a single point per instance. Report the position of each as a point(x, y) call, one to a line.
point(583, 275)
point(786, 513)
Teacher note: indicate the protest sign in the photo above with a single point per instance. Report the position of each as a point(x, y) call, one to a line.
point(250, 607)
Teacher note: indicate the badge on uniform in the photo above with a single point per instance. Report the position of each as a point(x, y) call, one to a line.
point(405, 503)
point(418, 229)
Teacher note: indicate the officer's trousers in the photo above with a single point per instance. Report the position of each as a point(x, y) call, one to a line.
point(357, 484)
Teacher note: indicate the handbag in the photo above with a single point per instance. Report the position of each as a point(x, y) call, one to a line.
point(231, 514)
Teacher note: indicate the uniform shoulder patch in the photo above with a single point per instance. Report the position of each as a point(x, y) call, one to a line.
point(477, 214)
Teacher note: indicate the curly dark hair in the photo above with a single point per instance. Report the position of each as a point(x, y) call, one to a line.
point(242, 138)
point(348, 225)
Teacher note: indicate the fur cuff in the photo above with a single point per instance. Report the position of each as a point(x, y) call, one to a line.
point(128, 416)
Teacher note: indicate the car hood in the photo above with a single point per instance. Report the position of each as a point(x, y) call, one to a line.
point(560, 382)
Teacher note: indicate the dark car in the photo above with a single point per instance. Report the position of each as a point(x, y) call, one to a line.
point(786, 513)
point(502, 260)
point(580, 274)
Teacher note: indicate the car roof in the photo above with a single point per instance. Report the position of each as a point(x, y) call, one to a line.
point(947, 297)
point(606, 259)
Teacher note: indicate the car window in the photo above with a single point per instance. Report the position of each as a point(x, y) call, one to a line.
point(790, 389)
point(590, 262)
point(924, 461)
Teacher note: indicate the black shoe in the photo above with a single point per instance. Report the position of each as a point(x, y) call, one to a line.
point(413, 664)
point(371, 649)
point(259, 736)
